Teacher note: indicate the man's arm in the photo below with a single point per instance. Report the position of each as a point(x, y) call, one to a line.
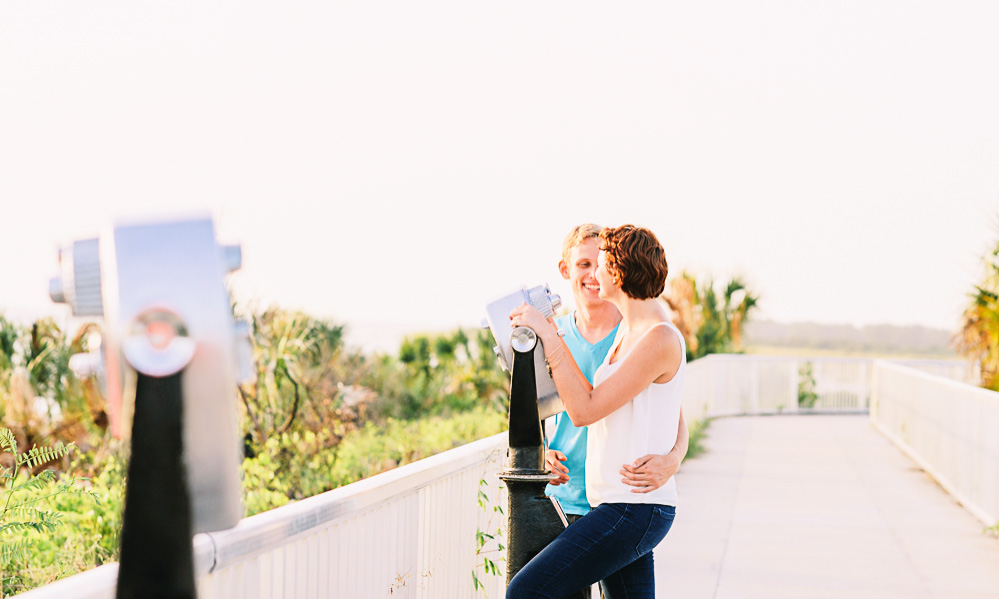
point(650, 472)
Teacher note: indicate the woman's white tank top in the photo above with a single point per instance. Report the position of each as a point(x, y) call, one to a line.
point(647, 424)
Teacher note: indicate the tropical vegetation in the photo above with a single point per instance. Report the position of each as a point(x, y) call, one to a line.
point(317, 416)
point(978, 338)
point(711, 316)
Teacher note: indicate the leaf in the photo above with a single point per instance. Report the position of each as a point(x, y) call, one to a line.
point(482, 538)
point(490, 566)
point(7, 440)
point(47, 524)
point(40, 455)
point(18, 511)
point(35, 482)
point(17, 550)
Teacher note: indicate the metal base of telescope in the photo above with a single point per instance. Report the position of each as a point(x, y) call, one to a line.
point(533, 520)
point(157, 559)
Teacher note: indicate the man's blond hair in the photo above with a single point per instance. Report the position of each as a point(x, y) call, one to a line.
point(578, 235)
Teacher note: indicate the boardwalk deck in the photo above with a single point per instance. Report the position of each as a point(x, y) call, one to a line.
point(818, 507)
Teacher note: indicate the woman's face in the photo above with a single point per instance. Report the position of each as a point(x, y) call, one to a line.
point(607, 287)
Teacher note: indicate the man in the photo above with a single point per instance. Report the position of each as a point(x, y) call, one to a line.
point(589, 334)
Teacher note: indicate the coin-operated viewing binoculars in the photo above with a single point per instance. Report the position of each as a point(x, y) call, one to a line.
point(534, 520)
point(169, 360)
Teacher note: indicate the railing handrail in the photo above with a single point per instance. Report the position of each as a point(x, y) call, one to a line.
point(259, 533)
point(985, 394)
point(830, 359)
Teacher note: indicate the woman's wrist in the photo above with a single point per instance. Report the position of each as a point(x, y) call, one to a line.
point(553, 357)
point(549, 337)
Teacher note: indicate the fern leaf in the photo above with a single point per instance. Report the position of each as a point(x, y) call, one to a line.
point(18, 550)
point(12, 526)
point(23, 513)
point(7, 440)
point(36, 482)
point(22, 525)
point(40, 455)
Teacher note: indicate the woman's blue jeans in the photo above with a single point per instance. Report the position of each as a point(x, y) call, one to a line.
point(612, 543)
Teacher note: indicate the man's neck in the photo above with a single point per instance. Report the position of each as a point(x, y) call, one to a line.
point(595, 323)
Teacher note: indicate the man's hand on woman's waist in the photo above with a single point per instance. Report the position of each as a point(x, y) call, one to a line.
point(650, 472)
point(554, 459)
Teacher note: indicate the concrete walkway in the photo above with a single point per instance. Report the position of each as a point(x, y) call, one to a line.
point(814, 507)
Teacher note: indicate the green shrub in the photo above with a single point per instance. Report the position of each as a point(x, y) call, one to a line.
point(698, 432)
point(298, 465)
point(806, 386)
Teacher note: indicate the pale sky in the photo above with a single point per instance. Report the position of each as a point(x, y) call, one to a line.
point(396, 165)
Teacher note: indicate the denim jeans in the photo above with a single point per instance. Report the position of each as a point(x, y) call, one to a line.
point(612, 543)
point(586, 593)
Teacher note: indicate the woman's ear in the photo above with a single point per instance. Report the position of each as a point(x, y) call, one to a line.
point(564, 269)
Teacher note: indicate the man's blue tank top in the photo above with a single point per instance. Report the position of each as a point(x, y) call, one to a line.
point(570, 439)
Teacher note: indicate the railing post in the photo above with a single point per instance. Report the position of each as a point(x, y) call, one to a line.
point(874, 400)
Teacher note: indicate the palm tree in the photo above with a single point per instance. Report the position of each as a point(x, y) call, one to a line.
point(979, 335)
point(291, 351)
point(709, 323)
point(738, 303)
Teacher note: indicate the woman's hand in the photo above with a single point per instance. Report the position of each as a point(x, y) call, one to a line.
point(525, 315)
point(650, 472)
point(554, 459)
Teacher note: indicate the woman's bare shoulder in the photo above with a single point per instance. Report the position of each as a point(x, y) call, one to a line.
point(664, 333)
point(661, 338)
point(666, 344)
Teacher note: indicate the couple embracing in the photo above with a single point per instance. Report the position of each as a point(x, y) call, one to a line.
point(619, 368)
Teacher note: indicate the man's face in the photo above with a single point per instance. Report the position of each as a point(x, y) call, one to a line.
point(579, 272)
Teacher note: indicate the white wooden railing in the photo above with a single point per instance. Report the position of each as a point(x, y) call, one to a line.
point(730, 385)
point(410, 532)
point(950, 429)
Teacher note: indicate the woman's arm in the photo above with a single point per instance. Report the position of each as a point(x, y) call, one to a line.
point(657, 353)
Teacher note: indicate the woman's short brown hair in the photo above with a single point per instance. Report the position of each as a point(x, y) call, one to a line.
point(636, 260)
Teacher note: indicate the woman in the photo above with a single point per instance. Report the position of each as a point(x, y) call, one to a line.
point(633, 410)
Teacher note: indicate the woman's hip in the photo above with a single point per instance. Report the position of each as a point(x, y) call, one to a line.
point(637, 526)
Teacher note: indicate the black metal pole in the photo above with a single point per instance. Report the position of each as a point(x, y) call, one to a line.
point(533, 521)
point(157, 559)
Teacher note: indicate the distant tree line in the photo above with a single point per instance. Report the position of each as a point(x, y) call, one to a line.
point(882, 338)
